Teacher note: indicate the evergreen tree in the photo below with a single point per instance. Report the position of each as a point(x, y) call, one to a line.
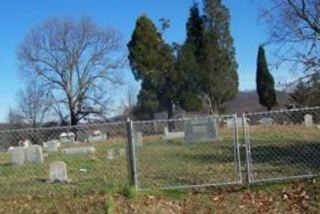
point(152, 62)
point(219, 77)
point(265, 82)
point(188, 62)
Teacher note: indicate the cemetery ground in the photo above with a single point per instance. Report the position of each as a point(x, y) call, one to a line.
point(98, 184)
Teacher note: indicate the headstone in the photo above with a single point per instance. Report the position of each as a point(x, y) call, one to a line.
point(52, 146)
point(267, 121)
point(308, 120)
point(58, 171)
point(34, 154)
point(110, 154)
point(67, 138)
point(79, 150)
point(97, 136)
point(18, 155)
point(201, 130)
point(138, 139)
point(174, 135)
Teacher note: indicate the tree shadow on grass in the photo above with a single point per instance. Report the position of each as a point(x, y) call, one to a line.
point(296, 154)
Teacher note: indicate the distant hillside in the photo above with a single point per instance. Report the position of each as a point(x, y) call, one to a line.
point(248, 101)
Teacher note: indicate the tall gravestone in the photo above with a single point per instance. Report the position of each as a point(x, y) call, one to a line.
point(308, 120)
point(201, 130)
point(34, 154)
point(18, 155)
point(58, 171)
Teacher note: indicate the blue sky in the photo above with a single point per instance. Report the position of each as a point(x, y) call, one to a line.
point(17, 17)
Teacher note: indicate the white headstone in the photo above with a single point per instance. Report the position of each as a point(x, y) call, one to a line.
point(67, 138)
point(52, 146)
point(58, 171)
point(308, 120)
point(79, 150)
point(34, 154)
point(18, 155)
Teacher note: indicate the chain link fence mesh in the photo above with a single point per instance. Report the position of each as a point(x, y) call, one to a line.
point(187, 152)
point(165, 154)
point(94, 155)
point(283, 145)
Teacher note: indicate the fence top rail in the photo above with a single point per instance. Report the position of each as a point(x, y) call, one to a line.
point(62, 127)
point(184, 119)
point(282, 111)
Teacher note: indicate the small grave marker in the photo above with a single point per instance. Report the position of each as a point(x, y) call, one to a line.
point(58, 171)
point(79, 150)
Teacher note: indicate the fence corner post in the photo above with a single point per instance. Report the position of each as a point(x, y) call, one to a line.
point(131, 155)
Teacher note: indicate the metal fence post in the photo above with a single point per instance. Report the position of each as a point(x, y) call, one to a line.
point(237, 148)
point(248, 149)
point(131, 155)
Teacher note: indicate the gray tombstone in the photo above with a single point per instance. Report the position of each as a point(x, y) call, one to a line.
point(201, 130)
point(138, 139)
point(79, 150)
point(172, 135)
point(58, 171)
point(18, 155)
point(266, 121)
point(67, 138)
point(308, 120)
point(34, 154)
point(97, 136)
point(52, 146)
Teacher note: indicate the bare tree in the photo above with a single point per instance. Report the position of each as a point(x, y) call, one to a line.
point(294, 27)
point(129, 101)
point(76, 61)
point(15, 119)
point(32, 104)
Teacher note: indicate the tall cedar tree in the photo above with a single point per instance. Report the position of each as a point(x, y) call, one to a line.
point(152, 62)
point(265, 82)
point(188, 62)
point(219, 77)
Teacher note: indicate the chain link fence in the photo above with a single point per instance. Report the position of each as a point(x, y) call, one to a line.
point(282, 145)
point(88, 158)
point(161, 154)
point(187, 152)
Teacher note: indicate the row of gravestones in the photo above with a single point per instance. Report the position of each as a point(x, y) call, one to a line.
point(200, 130)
